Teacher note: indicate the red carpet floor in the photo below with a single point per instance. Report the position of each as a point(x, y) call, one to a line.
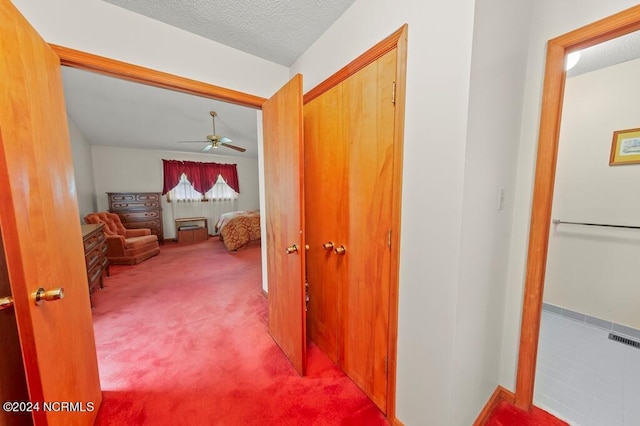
point(506, 414)
point(182, 340)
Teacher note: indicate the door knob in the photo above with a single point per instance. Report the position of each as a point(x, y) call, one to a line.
point(6, 302)
point(340, 250)
point(42, 295)
point(328, 246)
point(292, 249)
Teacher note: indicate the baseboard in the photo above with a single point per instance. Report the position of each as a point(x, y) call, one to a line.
point(396, 422)
point(499, 395)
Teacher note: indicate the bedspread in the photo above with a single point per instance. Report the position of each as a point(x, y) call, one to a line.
point(238, 228)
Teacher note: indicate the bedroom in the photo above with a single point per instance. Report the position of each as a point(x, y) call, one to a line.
point(118, 144)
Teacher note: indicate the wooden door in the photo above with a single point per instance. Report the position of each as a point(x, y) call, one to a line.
point(284, 217)
point(369, 128)
point(349, 145)
point(41, 228)
point(326, 183)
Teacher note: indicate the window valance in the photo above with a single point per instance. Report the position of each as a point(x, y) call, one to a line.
point(201, 175)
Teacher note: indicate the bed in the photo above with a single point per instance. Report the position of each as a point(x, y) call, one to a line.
point(237, 229)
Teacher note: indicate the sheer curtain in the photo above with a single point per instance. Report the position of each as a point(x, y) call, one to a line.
point(184, 201)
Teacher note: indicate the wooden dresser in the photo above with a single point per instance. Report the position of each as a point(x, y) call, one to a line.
point(95, 255)
point(138, 210)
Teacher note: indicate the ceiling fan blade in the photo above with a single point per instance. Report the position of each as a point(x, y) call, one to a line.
point(225, 139)
point(207, 148)
point(237, 148)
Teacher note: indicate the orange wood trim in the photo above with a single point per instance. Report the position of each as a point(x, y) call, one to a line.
point(499, 395)
point(605, 29)
point(396, 422)
point(553, 92)
point(540, 224)
point(396, 209)
point(356, 65)
point(126, 71)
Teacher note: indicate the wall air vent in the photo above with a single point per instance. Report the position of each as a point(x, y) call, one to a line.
point(624, 340)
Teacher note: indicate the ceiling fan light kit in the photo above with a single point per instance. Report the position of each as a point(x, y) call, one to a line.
point(214, 140)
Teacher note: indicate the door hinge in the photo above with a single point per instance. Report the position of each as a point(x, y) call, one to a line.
point(389, 238)
point(393, 93)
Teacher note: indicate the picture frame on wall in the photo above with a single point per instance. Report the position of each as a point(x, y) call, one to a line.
point(625, 147)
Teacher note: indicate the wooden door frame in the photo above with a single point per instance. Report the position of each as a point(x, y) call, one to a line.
point(553, 92)
point(114, 68)
point(396, 40)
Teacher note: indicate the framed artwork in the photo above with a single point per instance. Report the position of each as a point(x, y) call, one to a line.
point(625, 148)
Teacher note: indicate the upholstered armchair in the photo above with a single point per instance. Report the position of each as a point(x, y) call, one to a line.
point(125, 246)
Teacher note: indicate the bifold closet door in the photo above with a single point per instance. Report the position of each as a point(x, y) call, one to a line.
point(349, 135)
point(368, 111)
point(326, 186)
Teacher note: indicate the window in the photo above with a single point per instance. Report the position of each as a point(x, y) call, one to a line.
point(184, 191)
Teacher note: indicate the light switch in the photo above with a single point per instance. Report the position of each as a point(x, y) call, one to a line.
point(500, 198)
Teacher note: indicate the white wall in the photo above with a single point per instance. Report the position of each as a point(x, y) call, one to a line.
point(82, 170)
point(140, 170)
point(454, 240)
point(104, 29)
point(497, 91)
point(593, 270)
point(549, 19)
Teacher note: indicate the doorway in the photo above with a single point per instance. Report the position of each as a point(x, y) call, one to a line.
point(585, 373)
point(608, 28)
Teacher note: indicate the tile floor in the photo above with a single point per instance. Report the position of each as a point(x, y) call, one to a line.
point(583, 377)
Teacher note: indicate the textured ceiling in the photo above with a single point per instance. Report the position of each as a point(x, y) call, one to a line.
point(277, 30)
point(612, 52)
point(115, 112)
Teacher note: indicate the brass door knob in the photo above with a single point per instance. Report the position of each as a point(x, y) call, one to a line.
point(6, 302)
point(328, 246)
point(340, 250)
point(292, 249)
point(42, 295)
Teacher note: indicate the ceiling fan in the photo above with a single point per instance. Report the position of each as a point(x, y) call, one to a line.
point(214, 141)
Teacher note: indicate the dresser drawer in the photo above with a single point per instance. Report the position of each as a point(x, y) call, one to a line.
point(93, 275)
point(146, 197)
point(119, 198)
point(133, 205)
point(151, 224)
point(139, 216)
point(94, 257)
point(134, 200)
point(92, 240)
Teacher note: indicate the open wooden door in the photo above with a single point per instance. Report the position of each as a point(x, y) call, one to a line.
point(41, 234)
point(284, 216)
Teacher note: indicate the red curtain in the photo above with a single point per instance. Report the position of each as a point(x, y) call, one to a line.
point(229, 173)
point(201, 175)
point(172, 170)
